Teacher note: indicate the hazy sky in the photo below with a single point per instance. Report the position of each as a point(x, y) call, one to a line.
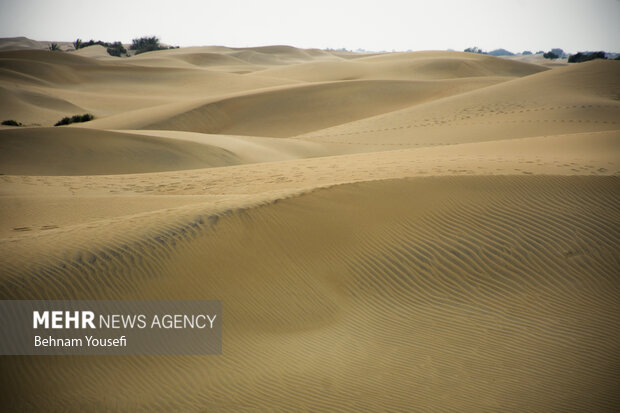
point(516, 25)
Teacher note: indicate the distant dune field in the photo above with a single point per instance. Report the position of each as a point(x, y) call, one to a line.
point(426, 231)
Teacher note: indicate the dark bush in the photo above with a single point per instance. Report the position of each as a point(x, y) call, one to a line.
point(550, 55)
point(584, 57)
point(116, 49)
point(53, 47)
point(75, 119)
point(77, 44)
point(63, 121)
point(146, 44)
point(474, 49)
point(11, 122)
point(82, 118)
point(91, 42)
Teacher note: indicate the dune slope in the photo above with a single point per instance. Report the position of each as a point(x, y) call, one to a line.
point(570, 99)
point(443, 293)
point(75, 151)
point(409, 66)
point(296, 110)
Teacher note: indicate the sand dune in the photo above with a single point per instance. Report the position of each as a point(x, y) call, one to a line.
point(296, 110)
point(575, 98)
point(107, 87)
point(283, 111)
point(34, 107)
point(410, 66)
point(43, 201)
point(94, 51)
point(252, 149)
point(429, 231)
point(538, 59)
point(21, 43)
point(73, 151)
point(467, 293)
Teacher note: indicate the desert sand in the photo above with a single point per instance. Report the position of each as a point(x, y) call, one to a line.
point(425, 231)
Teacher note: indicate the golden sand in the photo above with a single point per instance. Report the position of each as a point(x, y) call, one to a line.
point(428, 231)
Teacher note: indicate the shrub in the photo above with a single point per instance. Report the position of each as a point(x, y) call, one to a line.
point(11, 122)
point(116, 49)
point(148, 44)
point(77, 44)
point(526, 52)
point(53, 47)
point(83, 118)
point(550, 55)
point(91, 42)
point(74, 119)
point(63, 121)
point(584, 57)
point(145, 44)
point(474, 49)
